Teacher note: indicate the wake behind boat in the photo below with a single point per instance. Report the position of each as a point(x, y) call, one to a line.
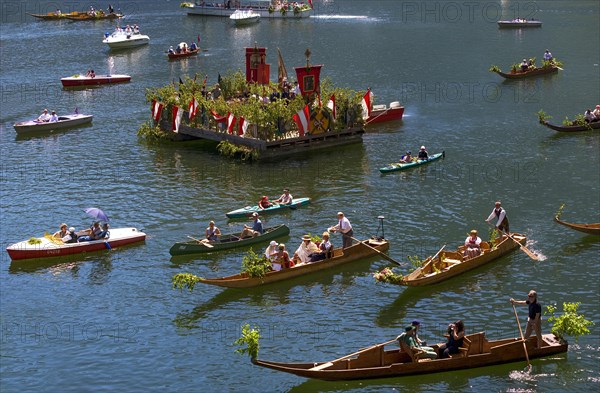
point(65, 121)
point(45, 247)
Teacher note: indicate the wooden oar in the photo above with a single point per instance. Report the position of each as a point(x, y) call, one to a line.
point(433, 257)
point(527, 251)
point(201, 242)
point(522, 337)
point(376, 250)
point(325, 365)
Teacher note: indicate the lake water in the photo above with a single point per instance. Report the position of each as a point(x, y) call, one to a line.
point(110, 321)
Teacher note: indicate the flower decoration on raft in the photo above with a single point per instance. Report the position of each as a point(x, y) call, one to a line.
point(388, 275)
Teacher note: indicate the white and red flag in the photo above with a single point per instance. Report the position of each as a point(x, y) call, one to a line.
point(218, 118)
point(366, 105)
point(177, 115)
point(157, 108)
point(242, 126)
point(193, 109)
point(302, 119)
point(230, 122)
point(331, 105)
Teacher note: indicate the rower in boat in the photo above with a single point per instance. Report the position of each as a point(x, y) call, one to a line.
point(406, 158)
point(285, 198)
point(501, 219)
point(212, 234)
point(423, 154)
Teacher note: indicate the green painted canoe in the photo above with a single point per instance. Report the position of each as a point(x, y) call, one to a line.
point(248, 210)
point(400, 167)
point(228, 241)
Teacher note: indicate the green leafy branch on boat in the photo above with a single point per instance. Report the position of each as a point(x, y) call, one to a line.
point(559, 212)
point(388, 275)
point(250, 338)
point(255, 265)
point(228, 149)
point(542, 116)
point(152, 133)
point(578, 121)
point(495, 68)
point(493, 237)
point(570, 323)
point(185, 280)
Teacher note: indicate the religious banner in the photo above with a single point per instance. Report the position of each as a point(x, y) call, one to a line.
point(254, 57)
point(264, 71)
point(308, 79)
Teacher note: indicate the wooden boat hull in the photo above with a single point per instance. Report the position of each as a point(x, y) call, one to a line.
point(85, 16)
point(528, 74)
point(47, 248)
point(66, 121)
point(383, 114)
point(208, 10)
point(588, 127)
point(379, 363)
point(228, 242)
point(400, 167)
point(592, 229)
point(53, 16)
point(508, 24)
point(77, 81)
point(249, 210)
point(175, 56)
point(355, 252)
point(448, 268)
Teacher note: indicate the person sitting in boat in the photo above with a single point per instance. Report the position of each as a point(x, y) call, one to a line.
point(111, 10)
point(548, 56)
point(91, 234)
point(456, 334)
point(283, 258)
point(62, 232)
point(71, 237)
point(406, 158)
point(105, 234)
point(524, 65)
point(305, 249)
point(285, 198)
point(264, 203)
point(596, 113)
point(589, 116)
point(92, 74)
point(136, 29)
point(325, 249)
point(193, 46)
point(472, 245)
point(212, 234)
point(271, 254)
point(255, 230)
point(171, 51)
point(423, 155)
point(44, 117)
point(92, 11)
point(53, 117)
point(57, 12)
point(408, 338)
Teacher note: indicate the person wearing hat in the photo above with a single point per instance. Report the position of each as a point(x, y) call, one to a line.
point(534, 321)
point(255, 230)
point(325, 249)
point(408, 343)
point(345, 228)
point(285, 198)
point(44, 117)
point(524, 65)
point(406, 158)
point(283, 258)
point(71, 236)
point(53, 117)
point(423, 155)
point(420, 343)
point(62, 231)
point(305, 250)
point(499, 214)
point(264, 203)
point(271, 255)
point(472, 245)
point(212, 233)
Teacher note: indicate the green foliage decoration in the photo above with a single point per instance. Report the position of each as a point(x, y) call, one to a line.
point(34, 240)
point(493, 237)
point(185, 280)
point(559, 212)
point(388, 275)
point(570, 323)
point(255, 265)
point(152, 132)
point(494, 68)
point(542, 116)
point(250, 338)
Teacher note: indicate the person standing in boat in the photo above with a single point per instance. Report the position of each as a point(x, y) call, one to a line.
point(534, 321)
point(548, 56)
point(345, 228)
point(472, 245)
point(212, 233)
point(501, 219)
point(285, 198)
point(423, 154)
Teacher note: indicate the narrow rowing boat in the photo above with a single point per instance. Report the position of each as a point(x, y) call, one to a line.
point(65, 121)
point(376, 362)
point(54, 15)
point(357, 251)
point(397, 166)
point(529, 73)
point(592, 229)
point(452, 263)
point(518, 23)
point(45, 247)
point(228, 242)
point(573, 128)
point(249, 210)
point(188, 53)
point(97, 16)
point(80, 80)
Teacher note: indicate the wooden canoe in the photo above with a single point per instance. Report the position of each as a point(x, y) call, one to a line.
point(54, 16)
point(376, 362)
point(228, 242)
point(588, 127)
point(517, 24)
point(396, 166)
point(592, 229)
point(98, 16)
point(188, 53)
point(451, 263)
point(529, 73)
point(248, 210)
point(340, 256)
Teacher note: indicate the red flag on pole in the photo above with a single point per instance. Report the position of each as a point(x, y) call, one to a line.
point(177, 114)
point(157, 108)
point(218, 118)
point(302, 120)
point(230, 123)
point(366, 105)
point(243, 126)
point(193, 108)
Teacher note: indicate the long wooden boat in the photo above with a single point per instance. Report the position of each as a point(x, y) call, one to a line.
point(188, 53)
point(376, 362)
point(592, 229)
point(249, 210)
point(381, 113)
point(228, 242)
point(54, 15)
point(452, 263)
point(518, 23)
point(270, 9)
point(397, 166)
point(529, 73)
point(81, 80)
point(65, 121)
point(97, 16)
point(340, 256)
point(45, 247)
point(588, 127)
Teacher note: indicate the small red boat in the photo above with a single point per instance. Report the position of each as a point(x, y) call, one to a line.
point(81, 80)
point(173, 56)
point(46, 247)
point(381, 113)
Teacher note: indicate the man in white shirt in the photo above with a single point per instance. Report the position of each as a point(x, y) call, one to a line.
point(345, 228)
point(45, 116)
point(501, 219)
point(285, 198)
point(54, 117)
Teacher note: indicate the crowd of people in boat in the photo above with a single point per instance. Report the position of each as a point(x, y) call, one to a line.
point(528, 65)
point(126, 31)
point(285, 199)
point(69, 235)
point(408, 158)
point(183, 47)
point(592, 116)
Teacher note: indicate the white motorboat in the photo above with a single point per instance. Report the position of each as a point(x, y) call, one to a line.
point(122, 39)
point(245, 17)
point(65, 121)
